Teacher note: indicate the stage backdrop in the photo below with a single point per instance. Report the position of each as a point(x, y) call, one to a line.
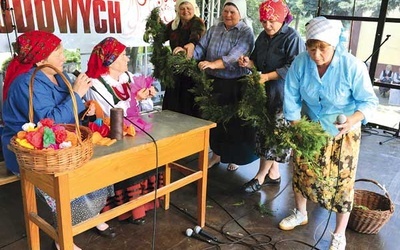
point(81, 23)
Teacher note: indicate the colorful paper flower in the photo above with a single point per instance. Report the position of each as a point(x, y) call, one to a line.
point(46, 135)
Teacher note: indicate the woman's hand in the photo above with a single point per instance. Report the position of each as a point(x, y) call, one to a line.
point(244, 61)
point(349, 122)
point(264, 78)
point(91, 110)
point(203, 65)
point(178, 50)
point(152, 91)
point(82, 84)
point(145, 93)
point(189, 50)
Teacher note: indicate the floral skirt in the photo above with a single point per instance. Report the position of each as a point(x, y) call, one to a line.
point(330, 180)
point(83, 207)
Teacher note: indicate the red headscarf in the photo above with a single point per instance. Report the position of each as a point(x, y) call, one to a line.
point(32, 47)
point(275, 10)
point(103, 55)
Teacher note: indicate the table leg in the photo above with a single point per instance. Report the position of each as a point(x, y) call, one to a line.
point(30, 207)
point(167, 181)
point(202, 183)
point(64, 217)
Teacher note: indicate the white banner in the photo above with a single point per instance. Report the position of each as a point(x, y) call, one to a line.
point(81, 23)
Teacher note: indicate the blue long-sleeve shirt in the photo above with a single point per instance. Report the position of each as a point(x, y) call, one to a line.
point(228, 45)
point(49, 101)
point(343, 89)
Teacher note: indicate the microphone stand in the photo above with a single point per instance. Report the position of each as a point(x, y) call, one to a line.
point(373, 53)
point(396, 133)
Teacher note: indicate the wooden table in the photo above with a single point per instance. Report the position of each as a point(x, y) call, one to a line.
point(176, 136)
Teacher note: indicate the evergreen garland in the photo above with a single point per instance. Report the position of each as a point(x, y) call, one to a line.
point(155, 34)
point(305, 138)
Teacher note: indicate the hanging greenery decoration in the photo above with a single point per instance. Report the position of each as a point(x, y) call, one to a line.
point(155, 34)
point(305, 138)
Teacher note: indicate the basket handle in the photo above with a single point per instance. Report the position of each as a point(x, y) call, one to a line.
point(379, 185)
point(71, 92)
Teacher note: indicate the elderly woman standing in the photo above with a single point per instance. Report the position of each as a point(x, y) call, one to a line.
point(218, 52)
point(183, 33)
point(51, 99)
point(275, 49)
point(328, 81)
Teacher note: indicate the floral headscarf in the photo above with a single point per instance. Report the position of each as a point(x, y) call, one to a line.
point(275, 10)
point(103, 55)
point(31, 48)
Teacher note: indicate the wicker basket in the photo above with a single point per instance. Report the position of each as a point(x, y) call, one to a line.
point(380, 209)
point(51, 161)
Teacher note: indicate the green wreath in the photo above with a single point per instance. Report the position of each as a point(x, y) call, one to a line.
point(305, 138)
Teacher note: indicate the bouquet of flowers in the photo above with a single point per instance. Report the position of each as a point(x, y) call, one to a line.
point(46, 136)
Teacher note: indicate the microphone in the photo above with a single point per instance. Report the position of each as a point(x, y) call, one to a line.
point(340, 119)
point(201, 232)
point(191, 233)
point(76, 73)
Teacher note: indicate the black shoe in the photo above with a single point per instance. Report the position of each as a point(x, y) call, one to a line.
point(139, 221)
point(251, 186)
point(108, 233)
point(269, 181)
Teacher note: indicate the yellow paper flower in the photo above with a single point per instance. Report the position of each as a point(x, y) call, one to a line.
point(24, 143)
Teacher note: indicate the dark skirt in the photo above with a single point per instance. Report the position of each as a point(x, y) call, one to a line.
point(234, 140)
point(179, 99)
point(270, 152)
point(131, 189)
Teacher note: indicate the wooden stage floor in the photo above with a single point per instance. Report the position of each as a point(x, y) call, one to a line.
point(232, 213)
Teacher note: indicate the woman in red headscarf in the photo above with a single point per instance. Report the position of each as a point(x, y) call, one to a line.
point(275, 49)
point(51, 99)
point(108, 68)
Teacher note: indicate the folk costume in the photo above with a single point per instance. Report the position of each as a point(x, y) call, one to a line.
point(118, 93)
point(178, 98)
point(275, 54)
point(49, 101)
point(344, 89)
point(233, 141)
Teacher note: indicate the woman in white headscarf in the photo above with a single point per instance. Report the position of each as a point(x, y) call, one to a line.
point(184, 33)
point(331, 87)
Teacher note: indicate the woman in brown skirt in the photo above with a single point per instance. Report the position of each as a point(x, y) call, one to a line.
point(331, 87)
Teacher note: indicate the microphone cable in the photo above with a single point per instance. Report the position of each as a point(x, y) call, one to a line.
point(260, 240)
point(334, 195)
point(156, 179)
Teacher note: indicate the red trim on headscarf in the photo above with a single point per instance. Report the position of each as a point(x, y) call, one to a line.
point(32, 47)
point(103, 55)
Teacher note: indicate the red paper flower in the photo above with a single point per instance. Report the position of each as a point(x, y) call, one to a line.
point(35, 138)
point(47, 122)
point(61, 135)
